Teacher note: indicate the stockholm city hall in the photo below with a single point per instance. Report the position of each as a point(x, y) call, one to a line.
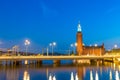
point(87, 50)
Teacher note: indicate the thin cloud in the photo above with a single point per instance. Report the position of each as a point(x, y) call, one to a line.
point(47, 11)
point(113, 9)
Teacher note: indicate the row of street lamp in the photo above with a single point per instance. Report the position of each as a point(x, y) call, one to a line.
point(52, 45)
point(27, 43)
point(73, 45)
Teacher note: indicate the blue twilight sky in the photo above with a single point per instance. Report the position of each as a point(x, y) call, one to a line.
point(45, 21)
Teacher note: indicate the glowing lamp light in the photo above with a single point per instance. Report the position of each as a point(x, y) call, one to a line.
point(90, 45)
point(83, 44)
point(27, 42)
point(96, 45)
point(75, 44)
point(71, 45)
point(115, 46)
point(54, 43)
point(50, 44)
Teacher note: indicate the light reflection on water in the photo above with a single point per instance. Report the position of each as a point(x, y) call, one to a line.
point(117, 75)
point(26, 76)
point(91, 75)
point(76, 77)
point(110, 75)
point(50, 77)
point(60, 73)
point(96, 76)
point(72, 76)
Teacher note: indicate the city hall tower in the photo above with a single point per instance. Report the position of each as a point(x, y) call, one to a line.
point(79, 47)
point(87, 50)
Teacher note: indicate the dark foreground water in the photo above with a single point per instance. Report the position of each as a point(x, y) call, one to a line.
point(72, 72)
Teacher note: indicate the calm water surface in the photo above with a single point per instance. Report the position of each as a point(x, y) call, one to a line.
point(74, 72)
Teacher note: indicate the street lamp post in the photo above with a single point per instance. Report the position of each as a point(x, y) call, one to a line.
point(74, 46)
point(27, 43)
point(69, 52)
point(15, 50)
point(52, 45)
point(0, 48)
point(47, 51)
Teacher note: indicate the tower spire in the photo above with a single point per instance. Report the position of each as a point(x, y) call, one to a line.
point(79, 27)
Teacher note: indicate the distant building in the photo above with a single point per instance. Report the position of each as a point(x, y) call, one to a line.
point(87, 50)
point(114, 51)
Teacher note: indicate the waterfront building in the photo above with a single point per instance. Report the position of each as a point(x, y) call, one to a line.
point(114, 51)
point(81, 49)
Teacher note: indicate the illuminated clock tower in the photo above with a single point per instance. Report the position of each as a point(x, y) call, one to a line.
point(79, 47)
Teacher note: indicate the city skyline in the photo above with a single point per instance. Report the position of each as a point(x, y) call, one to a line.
point(44, 21)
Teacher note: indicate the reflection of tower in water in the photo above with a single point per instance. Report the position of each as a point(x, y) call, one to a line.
point(81, 72)
point(26, 76)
